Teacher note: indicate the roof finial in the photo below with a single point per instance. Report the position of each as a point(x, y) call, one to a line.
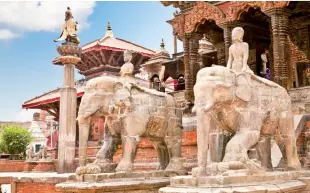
point(162, 44)
point(109, 32)
point(109, 26)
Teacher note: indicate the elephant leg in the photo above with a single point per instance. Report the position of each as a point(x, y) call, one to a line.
point(287, 142)
point(84, 125)
point(173, 140)
point(104, 157)
point(162, 152)
point(203, 127)
point(237, 148)
point(263, 148)
point(130, 146)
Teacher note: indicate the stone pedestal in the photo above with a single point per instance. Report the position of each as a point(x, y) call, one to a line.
point(120, 182)
point(268, 182)
point(70, 53)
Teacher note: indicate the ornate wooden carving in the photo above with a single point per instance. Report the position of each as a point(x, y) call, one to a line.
point(188, 21)
point(200, 12)
point(281, 53)
point(237, 7)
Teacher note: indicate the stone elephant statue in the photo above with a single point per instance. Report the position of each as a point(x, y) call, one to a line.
point(131, 112)
point(247, 111)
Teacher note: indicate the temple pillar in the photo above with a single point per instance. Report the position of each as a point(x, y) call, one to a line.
point(68, 102)
point(194, 57)
point(281, 48)
point(175, 43)
point(227, 28)
point(189, 94)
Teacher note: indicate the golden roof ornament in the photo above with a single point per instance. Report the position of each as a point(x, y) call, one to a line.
point(69, 29)
point(109, 32)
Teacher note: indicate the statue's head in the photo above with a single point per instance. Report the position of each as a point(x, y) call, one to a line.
point(237, 34)
point(127, 56)
point(68, 14)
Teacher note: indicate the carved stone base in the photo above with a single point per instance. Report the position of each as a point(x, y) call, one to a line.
point(268, 182)
point(117, 175)
point(120, 182)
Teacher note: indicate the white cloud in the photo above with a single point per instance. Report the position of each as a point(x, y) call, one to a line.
point(42, 16)
point(25, 115)
point(6, 34)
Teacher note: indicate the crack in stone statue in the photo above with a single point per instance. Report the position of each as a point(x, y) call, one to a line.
point(131, 113)
point(249, 109)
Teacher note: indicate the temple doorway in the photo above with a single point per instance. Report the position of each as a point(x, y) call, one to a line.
point(215, 35)
point(256, 27)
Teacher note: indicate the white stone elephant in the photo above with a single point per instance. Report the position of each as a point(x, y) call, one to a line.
point(248, 109)
point(131, 112)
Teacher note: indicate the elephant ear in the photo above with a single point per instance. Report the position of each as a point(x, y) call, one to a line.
point(243, 88)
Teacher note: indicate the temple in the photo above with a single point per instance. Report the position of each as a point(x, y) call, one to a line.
point(278, 35)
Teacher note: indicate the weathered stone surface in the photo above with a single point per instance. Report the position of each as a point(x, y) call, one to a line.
point(118, 186)
point(251, 108)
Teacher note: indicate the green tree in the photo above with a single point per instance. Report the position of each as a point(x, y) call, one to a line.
point(14, 139)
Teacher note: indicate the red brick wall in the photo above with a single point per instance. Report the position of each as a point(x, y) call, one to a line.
point(35, 188)
point(12, 165)
point(296, 56)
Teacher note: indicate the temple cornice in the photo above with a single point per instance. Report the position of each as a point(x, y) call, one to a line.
point(187, 22)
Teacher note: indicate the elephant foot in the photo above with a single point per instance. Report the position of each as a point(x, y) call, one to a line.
point(234, 168)
point(106, 166)
point(124, 167)
point(199, 171)
point(88, 169)
point(160, 168)
point(175, 167)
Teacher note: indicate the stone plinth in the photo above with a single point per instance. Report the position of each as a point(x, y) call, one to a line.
point(269, 182)
point(120, 182)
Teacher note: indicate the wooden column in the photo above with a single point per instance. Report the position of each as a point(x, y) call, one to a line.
point(194, 57)
point(227, 28)
point(189, 95)
point(281, 48)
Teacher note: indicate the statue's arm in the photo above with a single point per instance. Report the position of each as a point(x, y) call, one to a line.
point(230, 58)
point(245, 56)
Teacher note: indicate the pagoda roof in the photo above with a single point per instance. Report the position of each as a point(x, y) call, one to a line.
point(116, 44)
point(54, 95)
point(106, 54)
point(49, 97)
point(109, 42)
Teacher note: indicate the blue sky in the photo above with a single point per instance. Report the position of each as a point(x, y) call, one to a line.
point(27, 48)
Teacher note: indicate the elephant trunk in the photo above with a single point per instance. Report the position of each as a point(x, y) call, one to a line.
point(83, 139)
point(203, 128)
